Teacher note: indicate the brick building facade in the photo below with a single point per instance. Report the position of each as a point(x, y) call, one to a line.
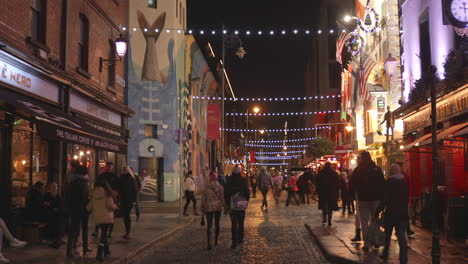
point(58, 102)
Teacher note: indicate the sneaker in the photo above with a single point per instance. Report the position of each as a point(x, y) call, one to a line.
point(3, 259)
point(18, 243)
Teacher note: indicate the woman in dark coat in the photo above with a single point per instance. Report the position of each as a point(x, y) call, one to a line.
point(327, 189)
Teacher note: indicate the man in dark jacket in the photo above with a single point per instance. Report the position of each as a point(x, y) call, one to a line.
point(395, 203)
point(36, 209)
point(236, 185)
point(127, 192)
point(367, 181)
point(76, 199)
point(327, 189)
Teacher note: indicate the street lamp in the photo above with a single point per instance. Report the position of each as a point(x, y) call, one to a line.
point(349, 128)
point(120, 49)
point(256, 109)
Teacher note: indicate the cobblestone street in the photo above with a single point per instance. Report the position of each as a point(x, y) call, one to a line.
point(277, 236)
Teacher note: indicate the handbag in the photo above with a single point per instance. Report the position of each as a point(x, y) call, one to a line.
point(239, 202)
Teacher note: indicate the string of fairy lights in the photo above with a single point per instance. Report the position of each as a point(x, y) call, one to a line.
point(266, 99)
point(280, 152)
point(283, 113)
point(280, 141)
point(277, 157)
point(275, 146)
point(269, 164)
point(274, 130)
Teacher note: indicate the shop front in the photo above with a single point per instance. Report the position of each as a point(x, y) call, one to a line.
point(38, 139)
point(452, 140)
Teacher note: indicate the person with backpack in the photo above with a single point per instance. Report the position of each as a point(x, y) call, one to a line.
point(102, 206)
point(212, 205)
point(264, 184)
point(367, 181)
point(236, 196)
point(189, 187)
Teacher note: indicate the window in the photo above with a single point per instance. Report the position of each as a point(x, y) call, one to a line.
point(111, 69)
point(153, 3)
point(151, 131)
point(183, 21)
point(180, 10)
point(38, 20)
point(177, 8)
point(425, 44)
point(83, 43)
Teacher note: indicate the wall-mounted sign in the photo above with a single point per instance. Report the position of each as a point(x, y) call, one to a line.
point(119, 80)
point(381, 105)
point(25, 81)
point(86, 106)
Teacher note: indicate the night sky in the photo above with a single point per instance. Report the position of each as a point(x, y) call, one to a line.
point(273, 66)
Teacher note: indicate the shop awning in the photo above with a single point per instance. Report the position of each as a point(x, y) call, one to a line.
point(446, 133)
point(462, 132)
point(417, 142)
point(54, 124)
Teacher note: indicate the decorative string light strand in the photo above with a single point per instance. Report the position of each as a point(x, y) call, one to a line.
point(283, 114)
point(280, 141)
point(266, 99)
point(280, 152)
point(275, 146)
point(276, 158)
point(269, 164)
point(274, 130)
point(246, 33)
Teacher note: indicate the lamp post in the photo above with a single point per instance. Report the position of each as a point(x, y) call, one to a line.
point(120, 49)
point(435, 252)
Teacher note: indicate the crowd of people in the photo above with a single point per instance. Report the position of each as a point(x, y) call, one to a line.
point(364, 192)
point(66, 215)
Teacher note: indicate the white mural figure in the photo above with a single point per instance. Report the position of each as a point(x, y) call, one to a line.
point(151, 71)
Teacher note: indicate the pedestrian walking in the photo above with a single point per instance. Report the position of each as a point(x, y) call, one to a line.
point(327, 189)
point(253, 185)
point(112, 180)
point(212, 205)
point(189, 187)
point(395, 207)
point(127, 192)
point(76, 200)
point(277, 187)
point(346, 199)
point(5, 233)
point(138, 185)
point(236, 196)
point(367, 181)
point(301, 184)
point(292, 189)
point(264, 184)
point(410, 195)
point(102, 206)
point(307, 177)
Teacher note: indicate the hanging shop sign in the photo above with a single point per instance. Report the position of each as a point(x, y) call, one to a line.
point(86, 106)
point(26, 81)
point(213, 122)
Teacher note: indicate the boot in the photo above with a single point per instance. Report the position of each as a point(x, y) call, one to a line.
point(100, 251)
point(208, 235)
point(330, 218)
point(358, 236)
point(324, 217)
point(106, 250)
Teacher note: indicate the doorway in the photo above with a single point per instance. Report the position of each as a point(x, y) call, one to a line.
point(151, 172)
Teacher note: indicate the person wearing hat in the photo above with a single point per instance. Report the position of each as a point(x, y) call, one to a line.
point(212, 205)
point(189, 187)
point(367, 182)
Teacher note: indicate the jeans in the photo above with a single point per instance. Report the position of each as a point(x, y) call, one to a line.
point(264, 194)
point(4, 232)
point(366, 213)
point(291, 194)
point(190, 196)
point(103, 239)
point(209, 224)
point(237, 226)
point(126, 210)
point(400, 230)
point(76, 221)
